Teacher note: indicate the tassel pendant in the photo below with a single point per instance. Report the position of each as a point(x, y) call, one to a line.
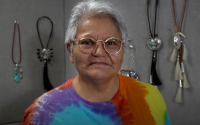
point(173, 56)
point(178, 74)
point(184, 51)
point(185, 82)
point(151, 80)
point(154, 76)
point(178, 98)
point(47, 84)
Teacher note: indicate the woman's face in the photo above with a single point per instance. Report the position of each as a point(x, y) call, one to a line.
point(99, 64)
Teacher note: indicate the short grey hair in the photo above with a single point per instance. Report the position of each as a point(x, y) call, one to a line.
point(93, 8)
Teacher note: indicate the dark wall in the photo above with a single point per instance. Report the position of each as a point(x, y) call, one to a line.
point(134, 13)
point(16, 97)
point(135, 16)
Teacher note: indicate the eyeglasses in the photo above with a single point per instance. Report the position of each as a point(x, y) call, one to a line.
point(111, 45)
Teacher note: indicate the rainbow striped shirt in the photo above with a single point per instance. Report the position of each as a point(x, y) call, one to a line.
point(136, 103)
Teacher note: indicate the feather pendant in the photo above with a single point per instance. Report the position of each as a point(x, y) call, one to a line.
point(178, 74)
point(185, 82)
point(173, 56)
point(184, 52)
point(178, 98)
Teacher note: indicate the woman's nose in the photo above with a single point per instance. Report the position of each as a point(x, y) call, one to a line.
point(99, 49)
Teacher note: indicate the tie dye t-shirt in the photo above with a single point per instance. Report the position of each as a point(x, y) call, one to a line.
point(136, 103)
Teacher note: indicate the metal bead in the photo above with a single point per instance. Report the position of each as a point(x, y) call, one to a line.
point(20, 70)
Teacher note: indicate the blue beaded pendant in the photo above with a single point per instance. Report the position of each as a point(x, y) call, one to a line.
point(18, 73)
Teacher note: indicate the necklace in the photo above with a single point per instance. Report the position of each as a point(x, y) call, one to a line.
point(45, 54)
point(18, 69)
point(179, 46)
point(130, 71)
point(177, 35)
point(154, 44)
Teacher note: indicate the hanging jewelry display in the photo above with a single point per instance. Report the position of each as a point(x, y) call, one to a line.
point(179, 54)
point(154, 44)
point(18, 70)
point(44, 55)
point(130, 71)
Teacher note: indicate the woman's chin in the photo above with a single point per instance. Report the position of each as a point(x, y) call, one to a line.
point(100, 74)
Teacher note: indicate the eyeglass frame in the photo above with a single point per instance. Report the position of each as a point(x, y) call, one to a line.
point(96, 41)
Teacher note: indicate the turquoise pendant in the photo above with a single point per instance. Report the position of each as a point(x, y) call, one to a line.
point(17, 78)
point(154, 43)
point(18, 73)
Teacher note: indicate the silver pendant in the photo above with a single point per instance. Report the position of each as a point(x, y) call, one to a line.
point(129, 73)
point(177, 41)
point(154, 43)
point(45, 54)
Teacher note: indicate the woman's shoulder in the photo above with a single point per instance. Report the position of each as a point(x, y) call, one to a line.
point(46, 102)
point(54, 92)
point(136, 86)
point(130, 81)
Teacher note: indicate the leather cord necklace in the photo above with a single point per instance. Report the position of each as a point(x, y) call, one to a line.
point(153, 43)
point(179, 46)
point(45, 54)
point(176, 27)
point(18, 70)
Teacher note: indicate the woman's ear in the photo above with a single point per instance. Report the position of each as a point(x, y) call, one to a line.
point(70, 52)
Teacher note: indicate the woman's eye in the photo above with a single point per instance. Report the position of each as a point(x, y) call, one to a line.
point(111, 42)
point(87, 42)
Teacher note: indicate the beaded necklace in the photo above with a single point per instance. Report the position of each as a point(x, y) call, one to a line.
point(18, 70)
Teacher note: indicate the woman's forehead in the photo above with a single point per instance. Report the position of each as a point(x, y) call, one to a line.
point(98, 27)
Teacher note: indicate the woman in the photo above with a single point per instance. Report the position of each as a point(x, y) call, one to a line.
point(98, 95)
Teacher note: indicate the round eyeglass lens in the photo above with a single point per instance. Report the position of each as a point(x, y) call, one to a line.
point(112, 45)
point(86, 45)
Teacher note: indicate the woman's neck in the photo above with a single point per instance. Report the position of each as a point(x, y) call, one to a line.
point(96, 90)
